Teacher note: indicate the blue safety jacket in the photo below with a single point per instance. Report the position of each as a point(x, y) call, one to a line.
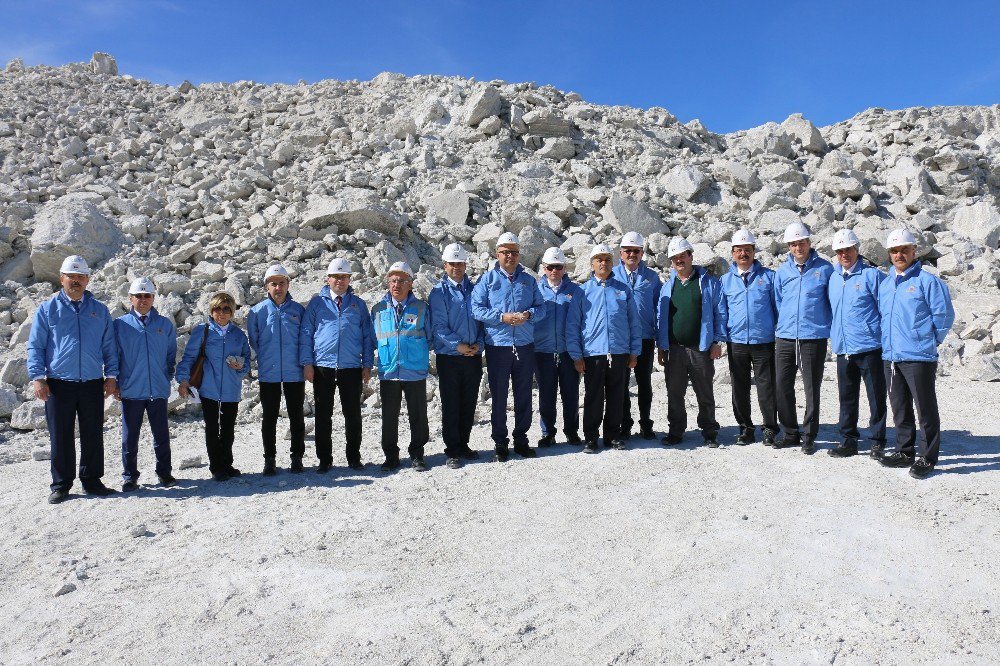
point(147, 354)
point(496, 294)
point(647, 295)
point(713, 313)
point(916, 314)
point(856, 324)
point(403, 340)
point(451, 317)
point(274, 336)
point(750, 309)
point(75, 346)
point(602, 319)
point(550, 334)
point(337, 338)
point(803, 304)
point(219, 382)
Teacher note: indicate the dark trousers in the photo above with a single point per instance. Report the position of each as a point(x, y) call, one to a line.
point(913, 382)
point(132, 411)
point(509, 369)
point(391, 394)
point(644, 387)
point(562, 375)
point(690, 364)
point(220, 426)
point(68, 403)
point(270, 400)
point(759, 360)
point(603, 395)
point(789, 357)
point(325, 382)
point(851, 370)
point(458, 383)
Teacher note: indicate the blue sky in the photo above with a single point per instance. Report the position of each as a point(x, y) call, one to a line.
point(732, 64)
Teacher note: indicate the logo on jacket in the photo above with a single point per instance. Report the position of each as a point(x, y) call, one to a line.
point(911, 289)
point(816, 275)
point(410, 319)
point(93, 315)
point(857, 286)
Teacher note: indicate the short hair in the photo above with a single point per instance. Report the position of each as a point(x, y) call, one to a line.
point(220, 299)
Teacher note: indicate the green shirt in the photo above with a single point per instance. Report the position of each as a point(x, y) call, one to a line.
point(685, 311)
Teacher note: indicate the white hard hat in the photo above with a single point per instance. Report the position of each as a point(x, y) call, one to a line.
point(601, 249)
point(141, 285)
point(75, 264)
point(339, 267)
point(455, 253)
point(678, 245)
point(743, 237)
point(899, 237)
point(632, 239)
point(400, 267)
point(844, 238)
point(796, 231)
point(508, 238)
point(554, 256)
point(275, 270)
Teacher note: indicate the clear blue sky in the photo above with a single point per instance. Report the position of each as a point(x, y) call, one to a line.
point(733, 64)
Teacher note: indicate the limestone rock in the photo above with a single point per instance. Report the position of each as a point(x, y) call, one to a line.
point(9, 401)
point(29, 416)
point(803, 131)
point(483, 104)
point(546, 122)
point(71, 226)
point(104, 63)
point(560, 148)
point(979, 222)
point(450, 205)
point(351, 209)
point(625, 213)
point(684, 181)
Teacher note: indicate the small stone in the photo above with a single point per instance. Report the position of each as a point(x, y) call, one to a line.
point(64, 588)
point(138, 530)
point(192, 462)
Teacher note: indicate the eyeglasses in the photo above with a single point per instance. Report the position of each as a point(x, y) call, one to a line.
point(899, 250)
point(223, 309)
point(509, 253)
point(339, 277)
point(632, 250)
point(142, 296)
point(602, 260)
point(554, 267)
point(399, 280)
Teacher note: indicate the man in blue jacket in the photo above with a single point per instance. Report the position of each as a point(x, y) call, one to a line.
point(855, 335)
point(458, 350)
point(748, 298)
point(554, 368)
point(273, 328)
point(916, 317)
point(337, 351)
point(645, 285)
point(691, 323)
point(507, 301)
point(804, 318)
point(73, 362)
point(402, 329)
point(147, 354)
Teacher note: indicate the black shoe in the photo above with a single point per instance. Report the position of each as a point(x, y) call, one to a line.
point(846, 449)
point(877, 450)
point(897, 459)
point(220, 476)
point(469, 454)
point(324, 467)
point(921, 468)
point(129, 486)
point(525, 452)
point(746, 436)
point(357, 466)
point(453, 463)
point(232, 471)
point(808, 446)
point(788, 440)
point(269, 467)
point(712, 442)
point(573, 439)
point(390, 465)
point(670, 440)
point(547, 441)
point(57, 496)
point(418, 465)
point(501, 455)
point(618, 444)
point(769, 437)
point(296, 465)
point(100, 490)
point(167, 481)
point(590, 446)
point(647, 433)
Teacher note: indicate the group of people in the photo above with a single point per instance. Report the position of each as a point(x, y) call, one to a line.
point(775, 324)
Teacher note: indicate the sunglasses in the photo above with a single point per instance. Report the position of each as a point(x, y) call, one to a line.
point(898, 250)
point(224, 308)
point(142, 296)
point(509, 253)
point(554, 267)
point(632, 251)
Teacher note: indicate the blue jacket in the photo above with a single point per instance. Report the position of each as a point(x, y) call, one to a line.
point(495, 294)
point(750, 309)
point(146, 355)
point(334, 338)
point(73, 346)
point(803, 305)
point(856, 325)
point(647, 295)
point(274, 336)
point(404, 343)
point(219, 382)
point(713, 312)
point(451, 317)
point(602, 319)
point(550, 335)
point(916, 315)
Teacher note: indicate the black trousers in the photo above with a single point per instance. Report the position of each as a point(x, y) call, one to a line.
point(789, 357)
point(458, 382)
point(603, 396)
point(759, 360)
point(851, 370)
point(270, 400)
point(684, 364)
point(644, 387)
point(557, 377)
point(914, 382)
point(325, 382)
point(513, 370)
point(220, 427)
point(391, 394)
point(68, 403)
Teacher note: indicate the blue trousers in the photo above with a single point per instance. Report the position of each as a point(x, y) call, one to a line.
point(68, 402)
point(564, 377)
point(507, 369)
point(132, 411)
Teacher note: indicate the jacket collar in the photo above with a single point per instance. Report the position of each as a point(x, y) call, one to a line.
point(388, 298)
point(87, 296)
point(326, 292)
point(517, 271)
point(565, 284)
point(755, 267)
point(698, 271)
point(908, 273)
point(810, 260)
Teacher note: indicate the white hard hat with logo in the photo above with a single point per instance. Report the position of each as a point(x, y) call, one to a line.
point(277, 270)
point(600, 250)
point(455, 254)
point(339, 267)
point(74, 264)
point(743, 237)
point(554, 256)
point(141, 285)
point(796, 231)
point(678, 245)
point(844, 238)
point(508, 238)
point(633, 239)
point(400, 267)
point(899, 237)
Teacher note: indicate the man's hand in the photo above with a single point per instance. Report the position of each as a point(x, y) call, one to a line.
point(182, 388)
point(110, 386)
point(307, 373)
point(466, 350)
point(514, 318)
point(661, 357)
point(41, 389)
point(633, 360)
point(715, 351)
point(473, 350)
point(118, 394)
point(580, 366)
point(366, 375)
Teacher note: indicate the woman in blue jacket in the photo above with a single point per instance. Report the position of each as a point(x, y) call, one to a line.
point(227, 362)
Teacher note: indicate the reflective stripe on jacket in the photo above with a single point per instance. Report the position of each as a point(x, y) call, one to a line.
point(916, 315)
point(750, 309)
point(803, 304)
point(403, 342)
point(602, 319)
point(71, 345)
point(856, 323)
point(147, 355)
point(274, 336)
